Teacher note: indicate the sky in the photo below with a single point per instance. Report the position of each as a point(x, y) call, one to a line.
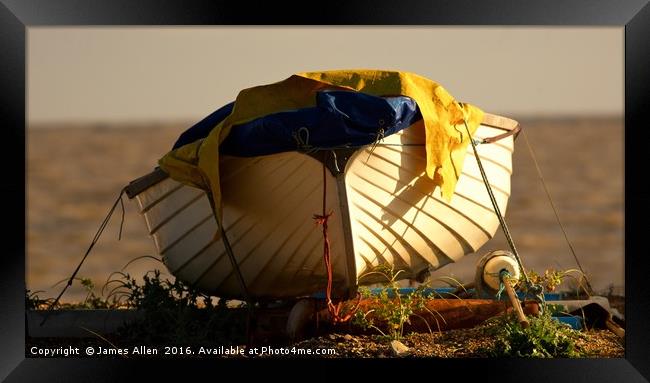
point(145, 74)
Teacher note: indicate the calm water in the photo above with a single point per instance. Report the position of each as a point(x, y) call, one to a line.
point(75, 174)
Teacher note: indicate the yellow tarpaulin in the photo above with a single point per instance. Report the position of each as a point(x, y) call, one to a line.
point(197, 163)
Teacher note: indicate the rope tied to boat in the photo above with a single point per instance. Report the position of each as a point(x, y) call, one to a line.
point(495, 206)
point(503, 274)
point(534, 290)
point(555, 212)
point(322, 219)
point(94, 241)
point(381, 134)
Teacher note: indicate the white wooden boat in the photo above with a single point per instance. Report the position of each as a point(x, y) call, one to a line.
point(386, 211)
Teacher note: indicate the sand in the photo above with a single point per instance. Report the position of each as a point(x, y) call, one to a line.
point(76, 171)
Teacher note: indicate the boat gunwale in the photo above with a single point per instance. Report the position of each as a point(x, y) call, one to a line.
point(141, 184)
point(499, 122)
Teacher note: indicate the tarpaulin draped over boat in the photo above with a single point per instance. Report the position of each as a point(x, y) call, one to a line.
point(197, 163)
point(339, 119)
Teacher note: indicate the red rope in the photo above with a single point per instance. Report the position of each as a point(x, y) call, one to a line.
point(334, 310)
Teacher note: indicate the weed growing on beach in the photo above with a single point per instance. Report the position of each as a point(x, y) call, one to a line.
point(544, 338)
point(390, 311)
point(178, 313)
point(34, 302)
point(172, 312)
point(91, 302)
point(552, 278)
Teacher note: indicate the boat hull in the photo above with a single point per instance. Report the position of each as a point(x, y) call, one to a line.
point(384, 211)
point(400, 219)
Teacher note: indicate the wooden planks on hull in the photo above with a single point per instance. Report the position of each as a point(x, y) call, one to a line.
point(386, 211)
point(399, 219)
point(269, 202)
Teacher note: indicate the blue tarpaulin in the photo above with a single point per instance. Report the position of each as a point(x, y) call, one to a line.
point(339, 119)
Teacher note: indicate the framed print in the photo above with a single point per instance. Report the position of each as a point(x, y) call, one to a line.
point(99, 94)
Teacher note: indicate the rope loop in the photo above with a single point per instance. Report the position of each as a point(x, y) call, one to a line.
point(302, 139)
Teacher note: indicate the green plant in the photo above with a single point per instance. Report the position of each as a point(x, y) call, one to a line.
point(544, 338)
point(552, 278)
point(172, 312)
point(34, 302)
point(390, 310)
point(178, 313)
point(90, 302)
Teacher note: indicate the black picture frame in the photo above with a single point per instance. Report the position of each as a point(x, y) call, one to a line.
point(17, 15)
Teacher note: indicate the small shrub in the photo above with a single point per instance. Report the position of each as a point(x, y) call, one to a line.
point(552, 278)
point(34, 302)
point(90, 302)
point(173, 312)
point(391, 311)
point(177, 313)
point(544, 338)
